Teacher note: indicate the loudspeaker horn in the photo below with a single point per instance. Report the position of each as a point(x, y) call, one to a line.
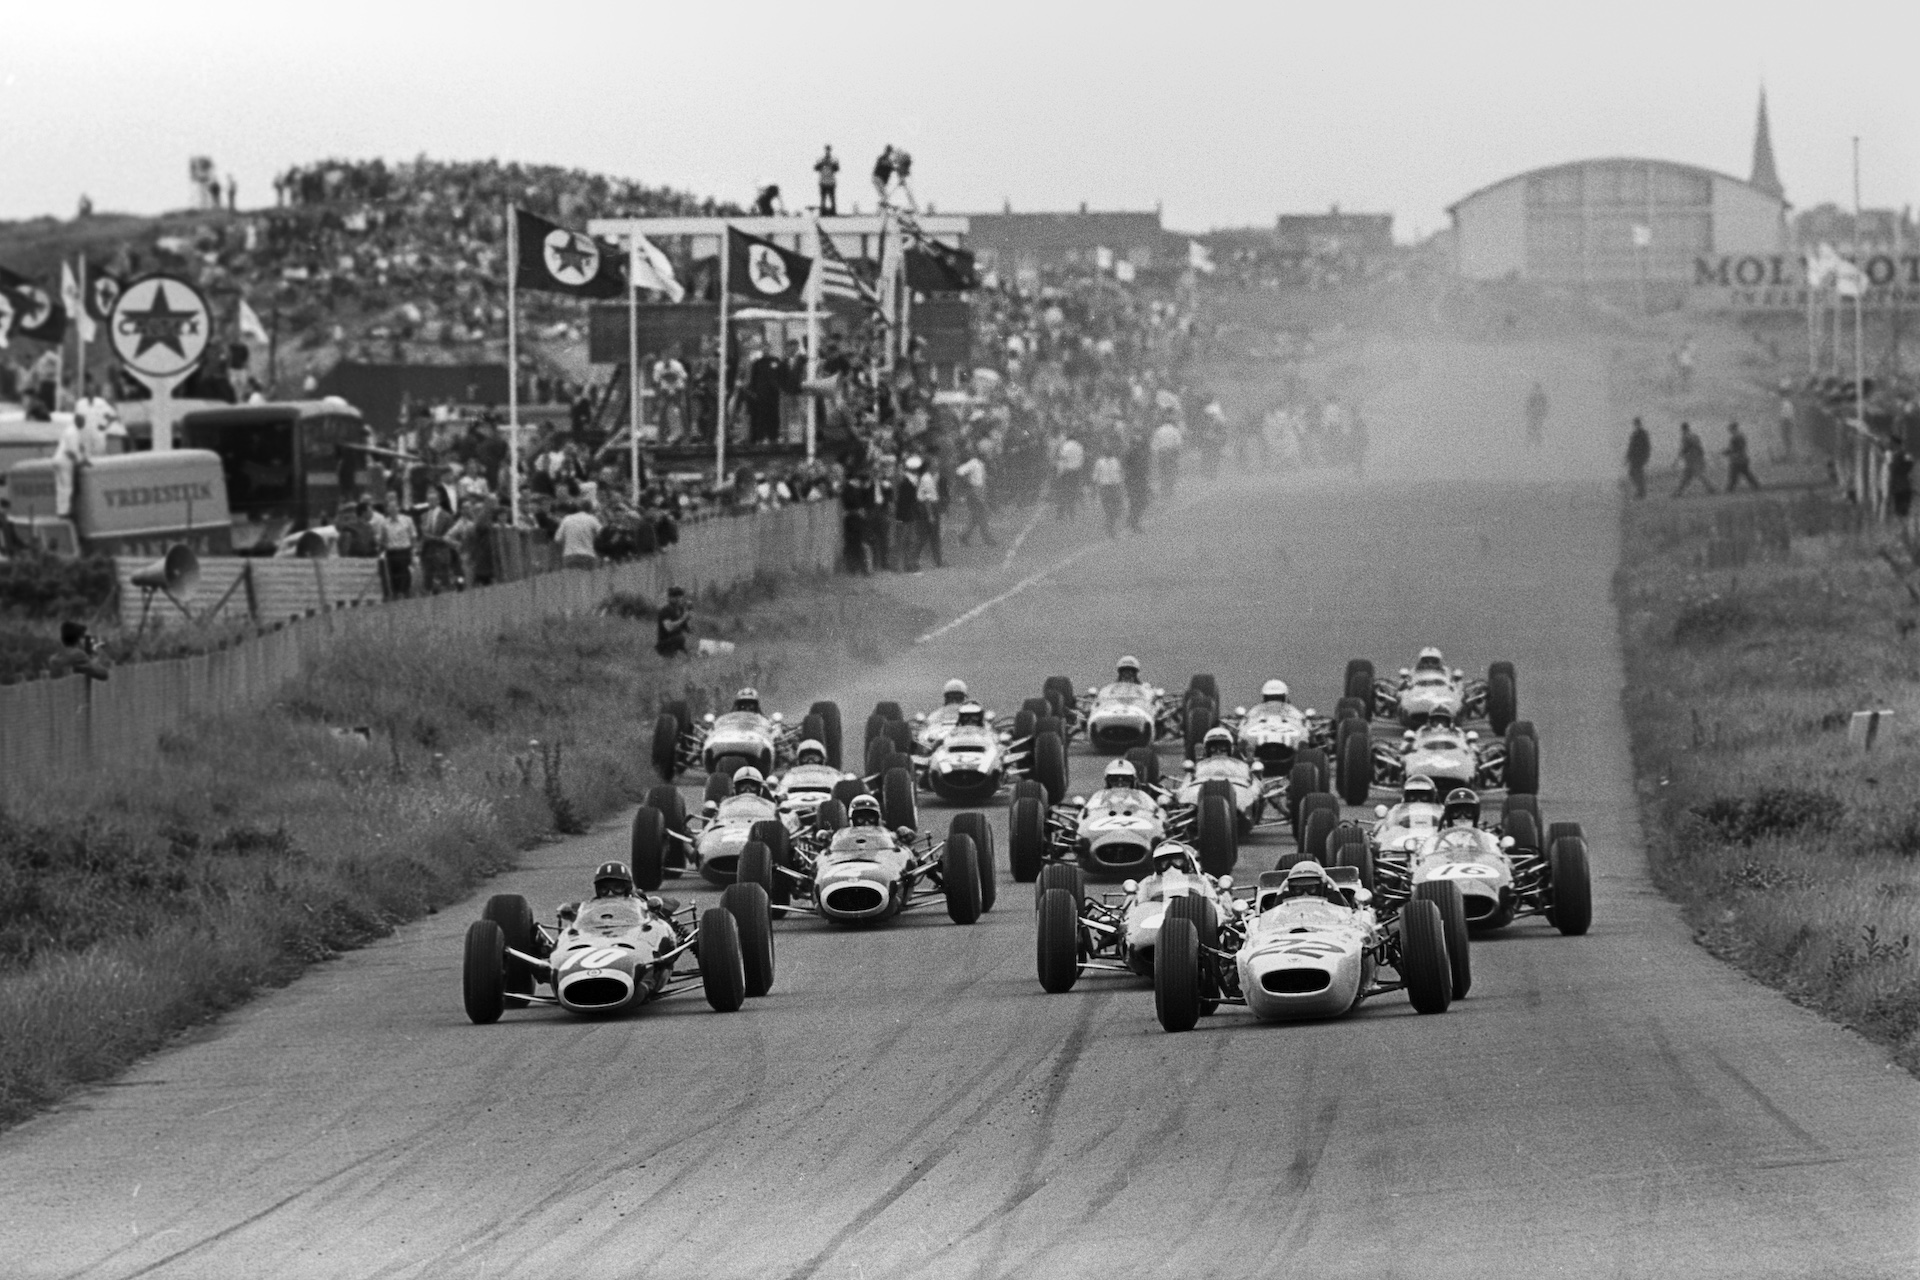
point(177, 573)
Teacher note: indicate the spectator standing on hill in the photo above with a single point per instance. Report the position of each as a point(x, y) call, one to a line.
point(1639, 453)
point(856, 508)
point(1739, 466)
point(1108, 482)
point(828, 170)
point(670, 629)
point(930, 489)
point(906, 510)
point(883, 172)
point(1137, 463)
point(1166, 444)
point(972, 475)
point(1693, 461)
point(358, 537)
point(576, 534)
point(1069, 459)
point(79, 654)
point(395, 534)
point(472, 534)
point(438, 565)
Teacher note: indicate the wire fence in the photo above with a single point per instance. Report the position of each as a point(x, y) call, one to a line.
point(60, 728)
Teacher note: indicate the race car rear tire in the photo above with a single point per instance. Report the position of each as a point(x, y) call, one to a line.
point(756, 866)
point(878, 749)
point(1503, 696)
point(1038, 707)
point(1349, 708)
point(888, 710)
point(1146, 764)
point(1288, 861)
point(1524, 828)
point(1557, 830)
point(1059, 691)
point(1570, 881)
point(900, 733)
point(728, 765)
point(847, 790)
point(753, 918)
point(1206, 685)
point(876, 728)
point(647, 849)
point(671, 803)
point(666, 747)
point(1315, 827)
point(773, 834)
point(1424, 964)
point(1057, 941)
point(974, 826)
point(723, 963)
point(1023, 721)
point(1176, 975)
point(1214, 834)
point(679, 710)
point(1323, 776)
point(1026, 838)
point(1028, 787)
point(1302, 782)
point(834, 733)
point(515, 917)
point(483, 972)
point(1050, 765)
point(1445, 896)
point(719, 787)
point(1356, 761)
point(897, 804)
point(1220, 787)
point(1523, 764)
point(1530, 804)
point(1351, 848)
point(1198, 720)
point(812, 726)
point(1062, 875)
point(1359, 683)
point(960, 878)
point(830, 816)
point(1050, 724)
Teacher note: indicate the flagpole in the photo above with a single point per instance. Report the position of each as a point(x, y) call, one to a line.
point(720, 390)
point(633, 363)
point(814, 286)
point(1859, 293)
point(513, 362)
point(80, 337)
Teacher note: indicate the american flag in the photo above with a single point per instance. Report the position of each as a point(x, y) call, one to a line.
point(837, 276)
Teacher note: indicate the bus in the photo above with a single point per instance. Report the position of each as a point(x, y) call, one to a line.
point(287, 464)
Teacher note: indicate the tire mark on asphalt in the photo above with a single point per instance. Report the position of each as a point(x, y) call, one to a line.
point(1766, 1103)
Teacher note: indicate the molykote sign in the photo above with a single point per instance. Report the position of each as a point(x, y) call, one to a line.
point(1778, 281)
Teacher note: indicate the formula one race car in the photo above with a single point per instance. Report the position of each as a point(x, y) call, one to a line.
point(971, 758)
point(1429, 684)
point(617, 950)
point(1218, 771)
point(723, 743)
point(1438, 749)
point(1310, 945)
point(861, 872)
point(1117, 932)
point(1129, 713)
point(1274, 731)
point(1499, 872)
point(1114, 831)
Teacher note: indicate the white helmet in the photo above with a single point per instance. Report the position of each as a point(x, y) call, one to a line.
point(955, 691)
point(746, 778)
point(1274, 691)
point(972, 713)
point(748, 699)
point(1430, 657)
point(1126, 664)
point(814, 745)
point(1121, 775)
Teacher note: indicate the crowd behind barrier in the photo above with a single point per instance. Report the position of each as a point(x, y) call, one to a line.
point(61, 728)
point(1871, 456)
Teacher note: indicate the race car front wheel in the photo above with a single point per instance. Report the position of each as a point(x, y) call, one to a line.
point(1176, 975)
point(483, 975)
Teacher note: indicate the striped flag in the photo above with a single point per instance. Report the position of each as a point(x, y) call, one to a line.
point(838, 279)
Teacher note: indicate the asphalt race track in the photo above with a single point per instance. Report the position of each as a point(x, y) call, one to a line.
point(907, 1102)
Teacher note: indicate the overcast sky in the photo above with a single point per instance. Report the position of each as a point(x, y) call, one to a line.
point(1224, 114)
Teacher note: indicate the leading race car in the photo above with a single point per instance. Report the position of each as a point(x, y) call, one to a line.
point(1128, 712)
point(1499, 872)
point(1117, 933)
point(1429, 684)
point(1310, 945)
point(745, 735)
point(617, 950)
point(1114, 831)
point(1274, 731)
point(1438, 749)
point(864, 873)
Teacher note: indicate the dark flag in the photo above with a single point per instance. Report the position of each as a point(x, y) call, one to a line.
point(937, 268)
point(762, 270)
point(102, 291)
point(35, 312)
point(556, 260)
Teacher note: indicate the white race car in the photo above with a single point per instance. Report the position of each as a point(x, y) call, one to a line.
point(722, 743)
point(1244, 785)
point(1118, 932)
point(1114, 831)
point(1126, 713)
point(1430, 684)
point(1451, 756)
point(734, 812)
point(1309, 945)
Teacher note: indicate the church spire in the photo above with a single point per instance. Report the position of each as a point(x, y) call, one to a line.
point(1765, 175)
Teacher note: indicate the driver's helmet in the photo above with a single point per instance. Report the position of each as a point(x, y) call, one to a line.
point(1430, 659)
point(1218, 742)
point(1122, 776)
point(812, 751)
point(1462, 806)
point(1275, 691)
point(955, 691)
point(1440, 718)
point(1172, 853)
point(863, 812)
point(748, 699)
point(1309, 880)
point(1419, 789)
point(613, 880)
point(1127, 670)
point(972, 713)
point(748, 780)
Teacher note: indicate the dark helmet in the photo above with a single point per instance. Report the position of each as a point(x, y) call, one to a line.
point(1128, 670)
point(1462, 805)
point(1218, 742)
point(864, 811)
point(748, 699)
point(613, 880)
point(972, 713)
point(1419, 789)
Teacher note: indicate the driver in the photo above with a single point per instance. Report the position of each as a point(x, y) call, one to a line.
point(864, 811)
point(1218, 742)
point(1275, 692)
point(811, 752)
point(1419, 789)
point(972, 714)
point(614, 881)
point(749, 781)
point(1310, 880)
point(1122, 776)
point(1463, 809)
point(1440, 718)
point(954, 692)
point(1430, 659)
point(1127, 670)
point(748, 699)
point(1168, 855)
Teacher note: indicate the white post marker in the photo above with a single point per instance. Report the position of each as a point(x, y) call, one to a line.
point(513, 363)
point(1863, 728)
point(159, 332)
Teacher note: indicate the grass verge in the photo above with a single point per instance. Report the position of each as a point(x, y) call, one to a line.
point(1795, 855)
point(253, 845)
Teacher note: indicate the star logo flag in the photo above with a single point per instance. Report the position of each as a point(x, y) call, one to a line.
point(70, 299)
point(553, 259)
point(36, 313)
point(102, 292)
point(762, 270)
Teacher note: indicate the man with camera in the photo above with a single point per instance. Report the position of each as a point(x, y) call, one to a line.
point(79, 654)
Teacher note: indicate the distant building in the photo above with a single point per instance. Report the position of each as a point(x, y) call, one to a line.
point(1334, 232)
point(1621, 221)
point(1888, 231)
point(1015, 243)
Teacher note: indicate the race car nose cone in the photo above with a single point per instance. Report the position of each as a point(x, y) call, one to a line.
point(596, 990)
point(853, 899)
